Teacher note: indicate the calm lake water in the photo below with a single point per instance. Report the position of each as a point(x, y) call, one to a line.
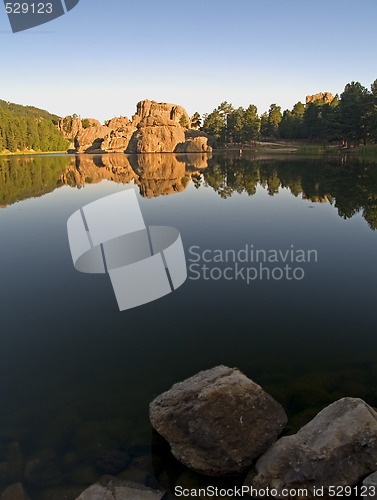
point(77, 376)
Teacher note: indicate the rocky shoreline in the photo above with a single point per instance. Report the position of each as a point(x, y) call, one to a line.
point(224, 426)
point(219, 422)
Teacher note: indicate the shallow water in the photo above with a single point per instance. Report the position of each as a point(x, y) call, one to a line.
point(76, 375)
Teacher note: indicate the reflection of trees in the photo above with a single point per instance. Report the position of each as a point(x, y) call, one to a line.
point(237, 175)
point(29, 177)
point(351, 186)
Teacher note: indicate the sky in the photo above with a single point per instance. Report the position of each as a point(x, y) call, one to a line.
point(104, 56)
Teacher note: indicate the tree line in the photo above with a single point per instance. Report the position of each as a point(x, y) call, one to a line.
point(28, 128)
point(348, 119)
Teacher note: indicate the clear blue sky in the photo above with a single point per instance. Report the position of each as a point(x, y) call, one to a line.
point(105, 55)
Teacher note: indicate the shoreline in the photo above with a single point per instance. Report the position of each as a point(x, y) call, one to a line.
point(260, 148)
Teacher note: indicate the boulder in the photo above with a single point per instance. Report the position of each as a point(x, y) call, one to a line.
point(117, 140)
point(89, 140)
point(15, 492)
point(162, 110)
point(370, 483)
point(337, 448)
point(218, 421)
point(120, 490)
point(152, 137)
point(196, 142)
point(118, 122)
point(112, 462)
point(194, 145)
point(42, 473)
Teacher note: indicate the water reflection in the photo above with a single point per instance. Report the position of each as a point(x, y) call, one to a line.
point(348, 184)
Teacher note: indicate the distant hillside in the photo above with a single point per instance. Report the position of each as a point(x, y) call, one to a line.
point(26, 128)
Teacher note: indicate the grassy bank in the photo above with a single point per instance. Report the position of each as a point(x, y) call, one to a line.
point(27, 153)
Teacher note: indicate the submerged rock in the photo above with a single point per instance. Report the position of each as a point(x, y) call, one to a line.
point(217, 422)
point(15, 492)
point(112, 462)
point(337, 448)
point(120, 490)
point(42, 473)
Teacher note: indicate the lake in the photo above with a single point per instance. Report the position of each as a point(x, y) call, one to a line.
point(77, 375)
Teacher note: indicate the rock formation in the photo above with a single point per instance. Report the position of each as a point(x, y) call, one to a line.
point(155, 128)
point(153, 135)
point(195, 142)
point(117, 140)
point(162, 111)
point(337, 448)
point(218, 421)
point(116, 489)
point(321, 97)
point(70, 126)
point(89, 140)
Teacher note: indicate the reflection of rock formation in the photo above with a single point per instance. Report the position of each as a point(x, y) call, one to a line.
point(155, 128)
point(94, 169)
point(155, 174)
point(194, 161)
point(316, 198)
point(159, 174)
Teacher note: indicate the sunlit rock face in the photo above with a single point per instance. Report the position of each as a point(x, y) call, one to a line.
point(157, 127)
point(321, 97)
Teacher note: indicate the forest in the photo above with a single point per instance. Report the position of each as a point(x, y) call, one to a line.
point(28, 128)
point(349, 120)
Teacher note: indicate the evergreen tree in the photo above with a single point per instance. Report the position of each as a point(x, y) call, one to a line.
point(196, 121)
point(252, 124)
point(353, 113)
